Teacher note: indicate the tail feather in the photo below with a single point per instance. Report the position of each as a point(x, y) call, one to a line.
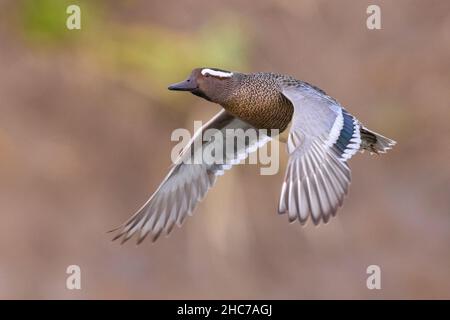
point(375, 142)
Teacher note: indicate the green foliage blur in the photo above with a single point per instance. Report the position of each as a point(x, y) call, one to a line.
point(146, 57)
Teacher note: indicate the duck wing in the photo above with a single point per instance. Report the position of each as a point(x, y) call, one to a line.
point(322, 137)
point(189, 180)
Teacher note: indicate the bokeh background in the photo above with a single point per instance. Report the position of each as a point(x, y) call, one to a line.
point(85, 138)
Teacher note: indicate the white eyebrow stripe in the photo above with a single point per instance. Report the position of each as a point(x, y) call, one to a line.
point(215, 73)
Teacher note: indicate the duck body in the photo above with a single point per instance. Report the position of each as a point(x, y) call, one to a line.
point(321, 137)
point(258, 100)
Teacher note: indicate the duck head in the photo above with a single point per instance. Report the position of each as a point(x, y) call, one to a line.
point(211, 84)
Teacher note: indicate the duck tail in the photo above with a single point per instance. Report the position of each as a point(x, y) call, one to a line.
point(375, 142)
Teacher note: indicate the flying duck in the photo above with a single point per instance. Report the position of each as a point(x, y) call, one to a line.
point(322, 137)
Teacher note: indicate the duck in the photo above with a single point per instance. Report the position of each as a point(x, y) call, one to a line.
point(321, 136)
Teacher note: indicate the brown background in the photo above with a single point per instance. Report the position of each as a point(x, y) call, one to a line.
point(85, 138)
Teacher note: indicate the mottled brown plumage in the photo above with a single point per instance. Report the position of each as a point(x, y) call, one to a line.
point(257, 99)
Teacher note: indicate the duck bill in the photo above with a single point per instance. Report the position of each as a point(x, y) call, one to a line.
point(186, 85)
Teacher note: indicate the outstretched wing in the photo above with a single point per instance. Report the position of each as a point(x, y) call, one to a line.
point(323, 136)
point(189, 179)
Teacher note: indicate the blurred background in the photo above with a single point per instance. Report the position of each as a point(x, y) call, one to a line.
point(85, 138)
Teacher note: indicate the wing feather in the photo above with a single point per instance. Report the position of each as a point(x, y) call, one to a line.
point(323, 137)
point(187, 183)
